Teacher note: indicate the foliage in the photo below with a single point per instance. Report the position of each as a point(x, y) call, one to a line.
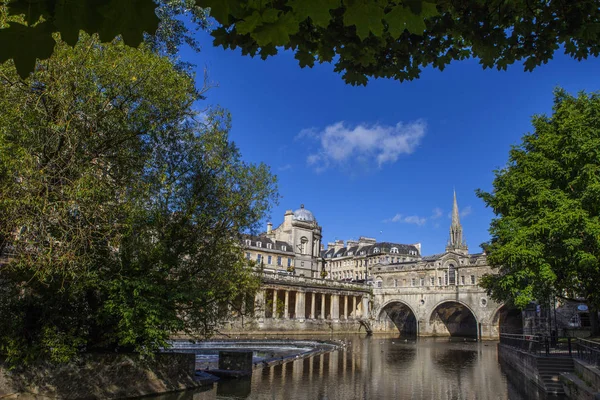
point(120, 207)
point(363, 38)
point(546, 233)
point(395, 39)
point(324, 273)
point(27, 26)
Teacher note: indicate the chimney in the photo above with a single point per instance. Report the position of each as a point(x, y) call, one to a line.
point(339, 244)
point(418, 246)
point(269, 227)
point(351, 243)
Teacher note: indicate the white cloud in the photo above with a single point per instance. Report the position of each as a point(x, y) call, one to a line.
point(372, 144)
point(466, 211)
point(415, 219)
point(285, 167)
point(437, 212)
point(396, 218)
point(410, 219)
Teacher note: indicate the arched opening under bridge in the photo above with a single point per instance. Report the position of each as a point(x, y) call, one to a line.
point(509, 320)
point(452, 318)
point(397, 316)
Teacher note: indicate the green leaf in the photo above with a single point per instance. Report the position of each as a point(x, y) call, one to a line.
point(249, 23)
point(130, 19)
point(305, 59)
point(366, 16)
point(276, 33)
point(221, 9)
point(317, 10)
point(355, 78)
point(32, 10)
point(402, 17)
point(25, 44)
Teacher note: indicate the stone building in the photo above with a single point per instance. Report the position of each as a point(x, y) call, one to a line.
point(439, 295)
point(291, 247)
point(355, 259)
point(395, 288)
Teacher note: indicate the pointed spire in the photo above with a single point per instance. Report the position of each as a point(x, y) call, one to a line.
point(455, 215)
point(456, 242)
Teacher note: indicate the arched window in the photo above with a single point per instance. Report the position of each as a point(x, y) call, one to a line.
point(303, 246)
point(451, 274)
point(376, 250)
point(394, 250)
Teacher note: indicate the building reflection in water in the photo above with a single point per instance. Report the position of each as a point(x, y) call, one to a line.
point(381, 367)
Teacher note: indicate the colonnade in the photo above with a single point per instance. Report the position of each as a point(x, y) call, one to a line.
point(305, 304)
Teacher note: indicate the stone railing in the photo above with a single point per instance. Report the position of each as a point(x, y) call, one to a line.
point(308, 281)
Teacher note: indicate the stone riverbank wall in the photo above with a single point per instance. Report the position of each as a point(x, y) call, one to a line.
point(101, 376)
point(543, 371)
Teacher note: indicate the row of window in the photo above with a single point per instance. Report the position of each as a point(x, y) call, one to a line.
point(445, 281)
point(269, 245)
point(359, 263)
point(259, 258)
point(376, 250)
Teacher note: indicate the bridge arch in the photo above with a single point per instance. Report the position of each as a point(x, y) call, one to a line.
point(452, 317)
point(397, 316)
point(507, 319)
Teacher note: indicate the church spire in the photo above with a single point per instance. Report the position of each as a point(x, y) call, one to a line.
point(456, 242)
point(455, 216)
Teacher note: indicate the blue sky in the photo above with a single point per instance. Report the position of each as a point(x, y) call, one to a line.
point(382, 161)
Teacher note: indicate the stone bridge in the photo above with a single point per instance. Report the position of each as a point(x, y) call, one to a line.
point(441, 311)
point(288, 303)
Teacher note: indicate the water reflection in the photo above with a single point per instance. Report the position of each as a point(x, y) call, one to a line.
point(382, 368)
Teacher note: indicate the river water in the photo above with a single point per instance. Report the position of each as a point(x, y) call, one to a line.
point(383, 367)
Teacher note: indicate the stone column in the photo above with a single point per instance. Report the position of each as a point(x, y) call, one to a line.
point(335, 307)
point(313, 306)
point(300, 306)
point(259, 304)
point(274, 303)
point(365, 304)
point(323, 306)
point(346, 307)
point(354, 310)
point(286, 313)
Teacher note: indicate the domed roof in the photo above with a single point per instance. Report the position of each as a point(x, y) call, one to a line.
point(302, 214)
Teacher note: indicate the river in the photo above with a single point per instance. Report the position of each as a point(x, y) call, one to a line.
point(383, 367)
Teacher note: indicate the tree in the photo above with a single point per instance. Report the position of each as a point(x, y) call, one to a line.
point(395, 39)
point(28, 27)
point(121, 208)
point(545, 238)
point(363, 38)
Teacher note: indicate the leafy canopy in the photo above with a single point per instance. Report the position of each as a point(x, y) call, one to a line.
point(546, 233)
point(363, 38)
point(121, 209)
point(27, 26)
point(395, 39)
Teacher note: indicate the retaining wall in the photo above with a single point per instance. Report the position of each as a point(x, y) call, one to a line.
point(524, 363)
point(101, 376)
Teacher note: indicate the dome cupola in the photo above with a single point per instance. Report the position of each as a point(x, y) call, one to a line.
point(302, 214)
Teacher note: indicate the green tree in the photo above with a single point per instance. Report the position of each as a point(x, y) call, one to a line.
point(28, 27)
point(121, 208)
point(363, 38)
point(545, 238)
point(396, 39)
